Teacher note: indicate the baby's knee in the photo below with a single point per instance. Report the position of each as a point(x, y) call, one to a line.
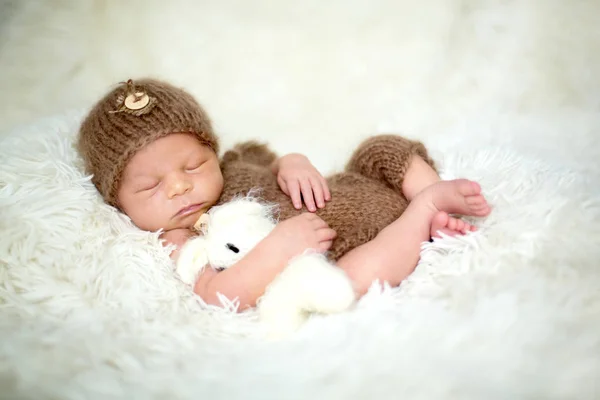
point(386, 157)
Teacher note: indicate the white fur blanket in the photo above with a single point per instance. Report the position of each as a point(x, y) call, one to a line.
point(89, 306)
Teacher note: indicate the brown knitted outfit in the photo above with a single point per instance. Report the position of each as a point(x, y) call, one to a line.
point(365, 198)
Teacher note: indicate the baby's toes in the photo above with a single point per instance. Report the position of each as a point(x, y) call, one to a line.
point(475, 200)
point(439, 223)
point(477, 204)
point(468, 228)
point(482, 210)
point(452, 222)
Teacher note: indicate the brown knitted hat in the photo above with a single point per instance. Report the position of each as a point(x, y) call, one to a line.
point(130, 117)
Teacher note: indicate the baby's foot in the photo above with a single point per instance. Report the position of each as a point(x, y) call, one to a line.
point(459, 196)
point(444, 223)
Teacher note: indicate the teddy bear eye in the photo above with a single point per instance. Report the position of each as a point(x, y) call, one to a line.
point(232, 248)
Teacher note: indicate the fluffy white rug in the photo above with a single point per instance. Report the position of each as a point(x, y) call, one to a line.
point(502, 92)
point(90, 307)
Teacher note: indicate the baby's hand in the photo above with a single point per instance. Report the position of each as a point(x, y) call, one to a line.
point(299, 179)
point(297, 234)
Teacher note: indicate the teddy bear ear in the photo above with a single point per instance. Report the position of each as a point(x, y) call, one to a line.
point(203, 223)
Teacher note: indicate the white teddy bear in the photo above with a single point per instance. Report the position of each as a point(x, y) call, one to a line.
point(308, 284)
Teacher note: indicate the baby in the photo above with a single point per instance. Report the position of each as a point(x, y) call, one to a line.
point(153, 155)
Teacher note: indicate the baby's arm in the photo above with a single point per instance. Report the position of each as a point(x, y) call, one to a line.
point(296, 176)
point(300, 180)
point(248, 279)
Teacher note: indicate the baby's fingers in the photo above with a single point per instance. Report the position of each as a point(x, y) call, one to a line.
point(326, 192)
point(326, 237)
point(283, 185)
point(293, 187)
point(307, 194)
point(326, 234)
point(324, 246)
point(317, 189)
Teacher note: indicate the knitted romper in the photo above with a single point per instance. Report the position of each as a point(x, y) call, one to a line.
point(365, 198)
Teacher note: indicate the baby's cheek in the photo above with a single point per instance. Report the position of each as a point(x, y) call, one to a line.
point(148, 214)
point(159, 212)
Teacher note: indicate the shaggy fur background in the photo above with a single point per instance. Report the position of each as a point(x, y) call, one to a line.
point(504, 92)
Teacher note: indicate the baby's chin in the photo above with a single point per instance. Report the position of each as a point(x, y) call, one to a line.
point(186, 222)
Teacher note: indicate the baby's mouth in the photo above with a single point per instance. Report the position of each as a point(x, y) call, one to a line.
point(189, 210)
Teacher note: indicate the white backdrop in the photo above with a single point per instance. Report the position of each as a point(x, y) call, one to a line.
point(327, 73)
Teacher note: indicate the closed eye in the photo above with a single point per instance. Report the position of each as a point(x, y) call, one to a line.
point(194, 166)
point(149, 186)
point(232, 248)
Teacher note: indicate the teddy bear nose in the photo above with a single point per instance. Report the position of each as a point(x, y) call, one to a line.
point(232, 248)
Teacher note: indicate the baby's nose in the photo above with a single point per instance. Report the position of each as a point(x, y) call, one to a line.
point(179, 186)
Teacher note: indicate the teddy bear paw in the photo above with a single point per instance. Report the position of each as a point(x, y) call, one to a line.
point(191, 261)
point(320, 286)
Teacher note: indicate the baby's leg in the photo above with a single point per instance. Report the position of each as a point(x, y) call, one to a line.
point(395, 252)
point(400, 163)
point(404, 165)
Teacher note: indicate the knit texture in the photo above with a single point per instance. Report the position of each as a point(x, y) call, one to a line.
point(128, 118)
point(366, 197)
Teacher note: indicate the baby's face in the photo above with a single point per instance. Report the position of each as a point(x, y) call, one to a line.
point(170, 183)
